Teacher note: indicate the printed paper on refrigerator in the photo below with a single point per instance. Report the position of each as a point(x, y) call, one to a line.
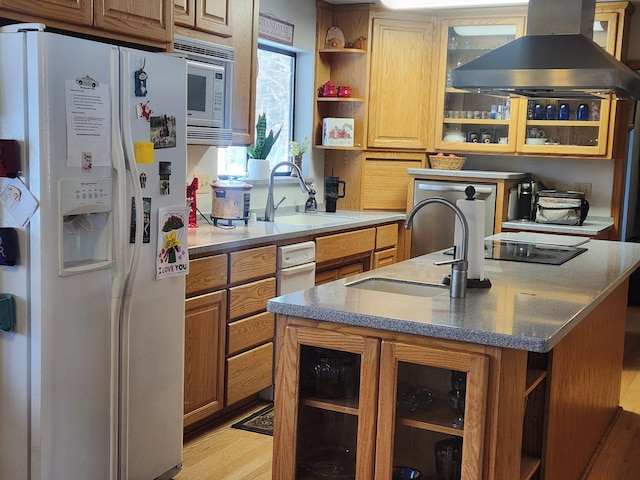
point(88, 107)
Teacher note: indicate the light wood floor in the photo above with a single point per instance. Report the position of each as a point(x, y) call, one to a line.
point(225, 453)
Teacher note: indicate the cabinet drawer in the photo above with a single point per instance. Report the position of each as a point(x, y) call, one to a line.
point(250, 298)
point(345, 244)
point(386, 236)
point(250, 331)
point(384, 257)
point(206, 274)
point(249, 372)
point(252, 263)
point(326, 276)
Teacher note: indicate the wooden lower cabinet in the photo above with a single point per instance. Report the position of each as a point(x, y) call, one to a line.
point(375, 403)
point(204, 355)
point(249, 372)
point(342, 271)
point(384, 258)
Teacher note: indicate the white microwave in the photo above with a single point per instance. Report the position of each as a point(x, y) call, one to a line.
point(209, 90)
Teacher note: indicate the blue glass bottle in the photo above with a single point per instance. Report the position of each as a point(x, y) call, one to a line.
point(564, 112)
point(538, 112)
point(551, 112)
point(583, 112)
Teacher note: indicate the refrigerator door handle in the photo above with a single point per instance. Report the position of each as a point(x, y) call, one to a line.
point(119, 273)
point(130, 162)
point(125, 313)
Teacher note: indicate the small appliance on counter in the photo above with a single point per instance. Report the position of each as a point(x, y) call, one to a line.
point(230, 200)
point(561, 207)
point(331, 192)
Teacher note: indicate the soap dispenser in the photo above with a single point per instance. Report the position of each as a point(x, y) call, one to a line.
point(474, 211)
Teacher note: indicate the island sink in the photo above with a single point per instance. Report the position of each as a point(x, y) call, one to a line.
point(402, 287)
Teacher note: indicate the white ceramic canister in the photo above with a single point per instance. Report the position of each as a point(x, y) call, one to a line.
point(230, 200)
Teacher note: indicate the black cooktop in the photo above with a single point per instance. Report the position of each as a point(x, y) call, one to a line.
point(530, 252)
point(527, 252)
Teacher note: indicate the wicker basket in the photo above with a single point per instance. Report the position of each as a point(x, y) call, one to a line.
point(446, 163)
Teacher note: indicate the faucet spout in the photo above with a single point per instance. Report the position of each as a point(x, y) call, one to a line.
point(270, 209)
point(459, 266)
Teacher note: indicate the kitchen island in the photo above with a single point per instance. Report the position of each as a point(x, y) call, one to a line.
point(542, 351)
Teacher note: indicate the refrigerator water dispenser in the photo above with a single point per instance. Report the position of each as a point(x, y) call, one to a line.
point(84, 225)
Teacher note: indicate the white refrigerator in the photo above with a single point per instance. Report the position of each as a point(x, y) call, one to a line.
point(91, 379)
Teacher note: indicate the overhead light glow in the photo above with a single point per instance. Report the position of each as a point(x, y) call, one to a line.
point(400, 4)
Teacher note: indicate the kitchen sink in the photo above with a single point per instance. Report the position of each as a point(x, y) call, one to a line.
point(313, 219)
point(402, 287)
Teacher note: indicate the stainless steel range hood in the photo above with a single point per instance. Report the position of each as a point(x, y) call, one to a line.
point(556, 59)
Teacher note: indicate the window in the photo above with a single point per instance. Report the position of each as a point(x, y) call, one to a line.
point(275, 97)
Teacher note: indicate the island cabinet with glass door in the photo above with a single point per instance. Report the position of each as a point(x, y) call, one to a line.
point(353, 402)
point(473, 122)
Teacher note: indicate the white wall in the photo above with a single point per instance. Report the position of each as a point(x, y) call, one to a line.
point(203, 160)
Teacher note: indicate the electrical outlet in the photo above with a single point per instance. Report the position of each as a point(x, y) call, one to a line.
point(584, 188)
point(204, 180)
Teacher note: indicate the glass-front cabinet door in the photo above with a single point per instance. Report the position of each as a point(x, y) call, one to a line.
point(469, 121)
point(572, 126)
point(431, 412)
point(326, 403)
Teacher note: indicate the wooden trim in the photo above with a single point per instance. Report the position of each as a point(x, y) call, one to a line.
point(589, 359)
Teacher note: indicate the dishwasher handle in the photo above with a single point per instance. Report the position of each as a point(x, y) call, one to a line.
point(452, 188)
point(306, 267)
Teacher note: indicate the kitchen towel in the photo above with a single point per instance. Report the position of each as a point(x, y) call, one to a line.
point(473, 211)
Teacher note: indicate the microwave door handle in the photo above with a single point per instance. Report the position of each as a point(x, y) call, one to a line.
point(452, 188)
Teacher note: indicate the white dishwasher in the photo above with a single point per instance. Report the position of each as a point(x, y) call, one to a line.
point(296, 267)
point(295, 270)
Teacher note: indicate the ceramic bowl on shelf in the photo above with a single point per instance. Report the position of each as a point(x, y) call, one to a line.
point(456, 137)
point(535, 141)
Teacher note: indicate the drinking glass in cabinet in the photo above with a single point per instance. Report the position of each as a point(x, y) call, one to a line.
point(473, 118)
point(328, 390)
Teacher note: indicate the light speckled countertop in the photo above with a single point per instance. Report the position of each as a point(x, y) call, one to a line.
point(207, 239)
point(591, 226)
point(529, 306)
point(480, 174)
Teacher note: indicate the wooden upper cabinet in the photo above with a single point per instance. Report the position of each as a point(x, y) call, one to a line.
point(149, 22)
point(184, 13)
point(400, 88)
point(214, 16)
point(244, 19)
point(151, 19)
point(211, 16)
point(73, 11)
point(234, 24)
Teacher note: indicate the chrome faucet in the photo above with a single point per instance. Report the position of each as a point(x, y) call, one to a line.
point(459, 266)
point(270, 210)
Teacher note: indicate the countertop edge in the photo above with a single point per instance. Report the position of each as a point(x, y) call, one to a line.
point(282, 232)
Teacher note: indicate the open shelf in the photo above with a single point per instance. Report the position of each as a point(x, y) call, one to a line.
point(436, 418)
point(340, 99)
point(528, 467)
point(343, 50)
point(534, 377)
point(348, 406)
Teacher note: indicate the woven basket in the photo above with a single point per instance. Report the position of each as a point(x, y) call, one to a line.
point(446, 163)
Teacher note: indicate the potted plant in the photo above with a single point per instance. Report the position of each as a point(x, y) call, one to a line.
point(257, 164)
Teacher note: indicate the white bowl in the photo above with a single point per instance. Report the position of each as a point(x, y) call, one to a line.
point(535, 141)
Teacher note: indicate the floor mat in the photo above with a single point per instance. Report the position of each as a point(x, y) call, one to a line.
point(259, 422)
